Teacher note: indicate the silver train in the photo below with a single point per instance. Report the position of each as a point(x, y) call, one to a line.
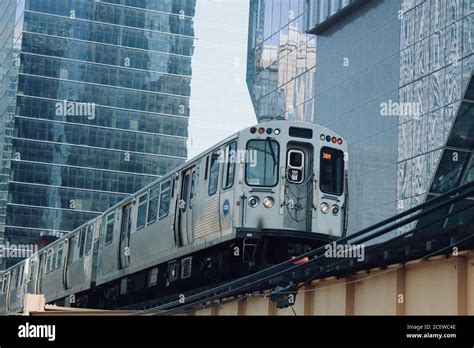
point(261, 196)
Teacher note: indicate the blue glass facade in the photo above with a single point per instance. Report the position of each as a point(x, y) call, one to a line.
point(98, 95)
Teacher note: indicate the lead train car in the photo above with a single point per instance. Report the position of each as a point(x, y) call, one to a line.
point(259, 197)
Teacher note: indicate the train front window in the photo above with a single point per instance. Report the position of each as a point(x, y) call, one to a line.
point(262, 163)
point(331, 171)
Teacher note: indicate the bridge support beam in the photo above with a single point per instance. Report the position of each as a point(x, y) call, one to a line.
point(438, 285)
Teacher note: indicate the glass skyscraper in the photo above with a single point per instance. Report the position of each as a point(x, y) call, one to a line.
point(369, 56)
point(94, 104)
point(281, 61)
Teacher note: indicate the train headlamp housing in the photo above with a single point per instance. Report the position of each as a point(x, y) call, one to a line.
point(268, 202)
point(324, 208)
point(335, 209)
point(253, 201)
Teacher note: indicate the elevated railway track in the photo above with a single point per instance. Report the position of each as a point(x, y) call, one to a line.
point(435, 235)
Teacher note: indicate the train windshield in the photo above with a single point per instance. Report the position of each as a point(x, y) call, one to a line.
point(262, 163)
point(331, 171)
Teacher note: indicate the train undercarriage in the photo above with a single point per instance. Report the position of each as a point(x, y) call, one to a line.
point(251, 251)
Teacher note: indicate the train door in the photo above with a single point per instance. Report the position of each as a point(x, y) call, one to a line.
point(185, 206)
point(69, 258)
point(124, 252)
point(299, 187)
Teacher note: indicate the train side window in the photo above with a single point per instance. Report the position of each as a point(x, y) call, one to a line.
point(214, 173)
point(184, 192)
point(22, 269)
point(90, 237)
point(21, 274)
point(18, 276)
point(230, 165)
point(109, 229)
point(102, 232)
point(6, 279)
point(164, 199)
point(15, 278)
point(207, 168)
point(53, 259)
point(142, 208)
point(153, 205)
point(5, 283)
point(48, 261)
point(59, 258)
point(32, 270)
point(82, 239)
point(173, 184)
point(193, 188)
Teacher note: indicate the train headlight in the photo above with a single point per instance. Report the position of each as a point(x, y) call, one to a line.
point(324, 208)
point(268, 202)
point(276, 131)
point(335, 209)
point(253, 201)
